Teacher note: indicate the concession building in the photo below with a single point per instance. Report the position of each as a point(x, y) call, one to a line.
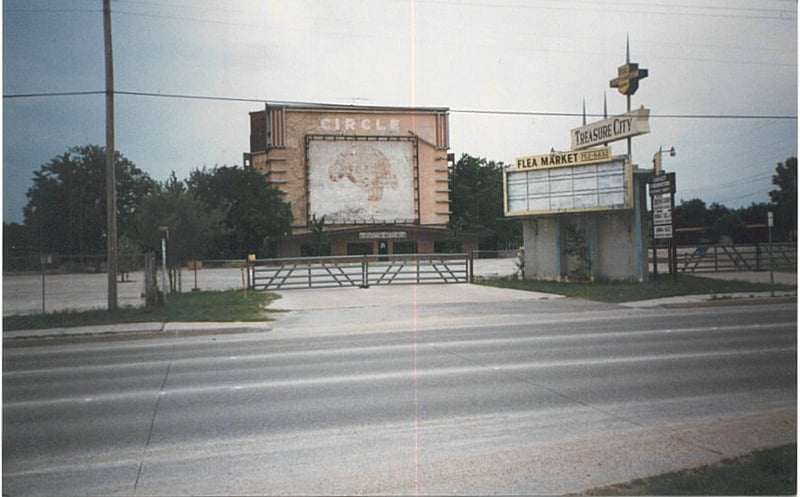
point(379, 176)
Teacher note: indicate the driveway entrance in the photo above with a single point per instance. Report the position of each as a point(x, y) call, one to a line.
point(360, 271)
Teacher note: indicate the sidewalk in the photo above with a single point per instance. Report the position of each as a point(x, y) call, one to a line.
point(780, 278)
point(177, 328)
point(720, 299)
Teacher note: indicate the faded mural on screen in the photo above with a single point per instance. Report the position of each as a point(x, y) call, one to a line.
point(361, 181)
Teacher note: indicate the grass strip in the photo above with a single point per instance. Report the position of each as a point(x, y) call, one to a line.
point(764, 472)
point(223, 306)
point(618, 291)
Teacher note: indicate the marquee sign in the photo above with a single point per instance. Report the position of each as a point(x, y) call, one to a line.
point(579, 188)
point(612, 129)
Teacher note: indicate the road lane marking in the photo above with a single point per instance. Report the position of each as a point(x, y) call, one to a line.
point(439, 340)
point(402, 375)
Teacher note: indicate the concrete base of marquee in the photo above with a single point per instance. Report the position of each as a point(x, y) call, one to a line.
point(602, 245)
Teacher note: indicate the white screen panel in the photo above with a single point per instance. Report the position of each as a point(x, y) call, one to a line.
point(358, 181)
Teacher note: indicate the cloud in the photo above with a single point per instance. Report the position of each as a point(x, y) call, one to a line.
point(518, 56)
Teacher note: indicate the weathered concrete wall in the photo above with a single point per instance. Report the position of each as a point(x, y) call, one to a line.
point(610, 245)
point(615, 255)
point(542, 240)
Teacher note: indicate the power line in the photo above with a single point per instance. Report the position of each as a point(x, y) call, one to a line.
point(580, 114)
point(201, 97)
point(647, 8)
point(438, 41)
point(494, 112)
point(434, 41)
point(746, 180)
point(51, 11)
point(350, 33)
point(55, 94)
point(745, 13)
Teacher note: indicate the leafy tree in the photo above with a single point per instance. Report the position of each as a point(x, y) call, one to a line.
point(720, 222)
point(319, 246)
point(756, 213)
point(128, 257)
point(17, 248)
point(190, 223)
point(785, 199)
point(254, 211)
point(690, 214)
point(729, 227)
point(476, 202)
point(66, 210)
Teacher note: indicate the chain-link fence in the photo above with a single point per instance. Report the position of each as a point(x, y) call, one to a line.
point(80, 283)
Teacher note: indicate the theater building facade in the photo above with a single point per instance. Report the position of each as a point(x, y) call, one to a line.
point(377, 176)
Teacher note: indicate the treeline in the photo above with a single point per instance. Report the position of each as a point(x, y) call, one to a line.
point(696, 223)
point(220, 213)
point(227, 212)
point(716, 224)
point(476, 204)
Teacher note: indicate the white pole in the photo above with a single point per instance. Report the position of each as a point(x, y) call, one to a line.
point(770, 223)
point(164, 266)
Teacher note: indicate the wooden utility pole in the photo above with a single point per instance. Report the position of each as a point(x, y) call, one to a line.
point(111, 187)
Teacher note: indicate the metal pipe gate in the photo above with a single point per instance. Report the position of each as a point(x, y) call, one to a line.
point(358, 270)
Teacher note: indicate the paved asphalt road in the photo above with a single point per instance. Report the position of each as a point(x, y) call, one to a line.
point(426, 396)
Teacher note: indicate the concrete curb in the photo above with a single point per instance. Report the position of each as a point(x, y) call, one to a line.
point(713, 299)
point(136, 328)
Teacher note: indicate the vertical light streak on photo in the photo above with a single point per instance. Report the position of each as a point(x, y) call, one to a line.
point(416, 395)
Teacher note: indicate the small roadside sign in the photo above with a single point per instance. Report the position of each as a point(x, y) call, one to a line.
point(663, 231)
point(661, 202)
point(663, 183)
point(662, 216)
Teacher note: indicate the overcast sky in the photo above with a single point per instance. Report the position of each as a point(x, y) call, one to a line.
point(515, 61)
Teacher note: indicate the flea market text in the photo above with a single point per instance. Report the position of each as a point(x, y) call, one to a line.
point(557, 159)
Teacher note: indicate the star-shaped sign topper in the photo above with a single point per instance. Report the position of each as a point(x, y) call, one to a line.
point(627, 80)
point(628, 74)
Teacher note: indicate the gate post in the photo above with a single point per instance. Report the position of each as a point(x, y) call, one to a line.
point(247, 270)
point(758, 257)
point(470, 261)
point(152, 297)
point(250, 264)
point(364, 272)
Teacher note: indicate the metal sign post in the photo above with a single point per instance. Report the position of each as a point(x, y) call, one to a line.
point(662, 198)
point(770, 224)
point(44, 259)
point(164, 237)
